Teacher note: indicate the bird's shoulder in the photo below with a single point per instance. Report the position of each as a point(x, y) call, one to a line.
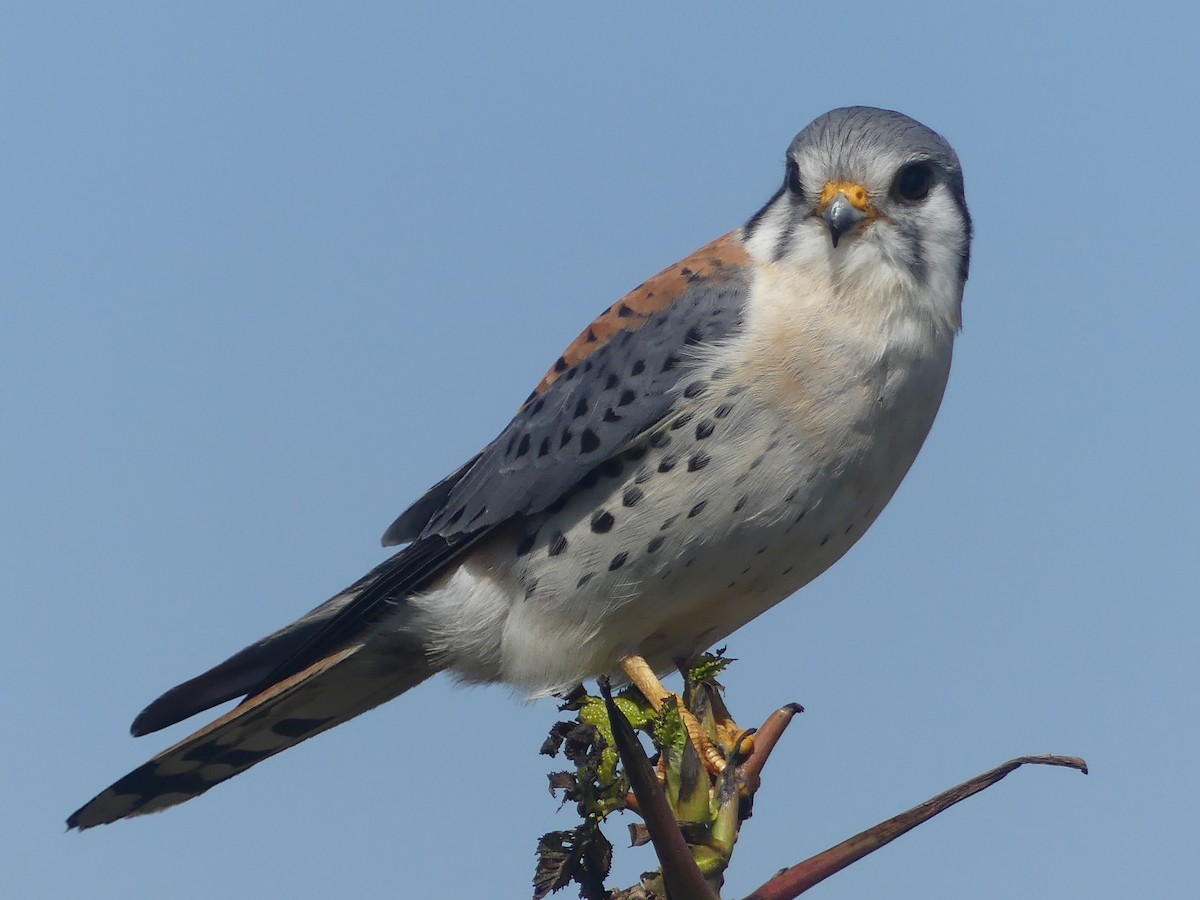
point(609, 385)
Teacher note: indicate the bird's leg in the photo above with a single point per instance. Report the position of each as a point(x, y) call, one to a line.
point(639, 673)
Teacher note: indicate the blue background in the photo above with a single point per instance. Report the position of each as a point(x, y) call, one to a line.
point(269, 270)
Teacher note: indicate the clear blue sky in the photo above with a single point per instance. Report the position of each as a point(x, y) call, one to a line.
point(269, 270)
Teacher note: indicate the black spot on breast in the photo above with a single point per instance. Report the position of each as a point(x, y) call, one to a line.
point(602, 522)
point(627, 397)
point(655, 544)
point(667, 523)
point(295, 728)
point(667, 464)
point(697, 509)
point(638, 367)
point(737, 507)
point(704, 429)
point(669, 363)
point(631, 496)
point(695, 389)
point(531, 588)
point(581, 407)
point(537, 406)
point(588, 442)
point(659, 439)
point(719, 373)
point(698, 461)
point(642, 476)
point(681, 422)
point(558, 544)
point(723, 410)
point(694, 335)
point(584, 580)
point(617, 561)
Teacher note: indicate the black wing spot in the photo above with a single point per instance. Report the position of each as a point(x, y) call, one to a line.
point(612, 468)
point(544, 447)
point(588, 442)
point(591, 336)
point(624, 311)
point(602, 522)
point(610, 416)
point(523, 446)
point(298, 728)
point(626, 398)
point(560, 364)
point(558, 544)
point(581, 407)
point(537, 406)
point(526, 544)
point(565, 439)
point(611, 381)
point(639, 367)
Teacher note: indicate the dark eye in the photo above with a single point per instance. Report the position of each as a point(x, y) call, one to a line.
point(793, 178)
point(913, 182)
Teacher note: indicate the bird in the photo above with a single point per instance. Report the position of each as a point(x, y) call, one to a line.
point(709, 444)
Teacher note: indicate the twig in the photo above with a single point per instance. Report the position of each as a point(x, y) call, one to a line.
point(793, 882)
point(681, 875)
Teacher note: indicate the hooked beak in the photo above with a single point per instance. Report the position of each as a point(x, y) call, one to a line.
point(843, 206)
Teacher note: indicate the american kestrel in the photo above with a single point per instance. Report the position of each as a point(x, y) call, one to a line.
point(716, 439)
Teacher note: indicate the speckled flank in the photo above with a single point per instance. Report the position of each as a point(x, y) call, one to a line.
point(631, 311)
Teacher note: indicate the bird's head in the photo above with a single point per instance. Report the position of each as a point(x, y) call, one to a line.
point(870, 196)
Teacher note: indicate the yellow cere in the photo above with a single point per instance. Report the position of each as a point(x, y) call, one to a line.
point(855, 193)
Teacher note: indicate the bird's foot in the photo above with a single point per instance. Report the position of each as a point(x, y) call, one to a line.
point(726, 740)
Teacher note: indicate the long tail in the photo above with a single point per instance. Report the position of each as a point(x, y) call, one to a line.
point(326, 693)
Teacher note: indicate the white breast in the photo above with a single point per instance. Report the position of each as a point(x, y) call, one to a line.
point(810, 418)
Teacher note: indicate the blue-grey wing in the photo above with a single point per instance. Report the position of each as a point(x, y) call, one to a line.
point(615, 381)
